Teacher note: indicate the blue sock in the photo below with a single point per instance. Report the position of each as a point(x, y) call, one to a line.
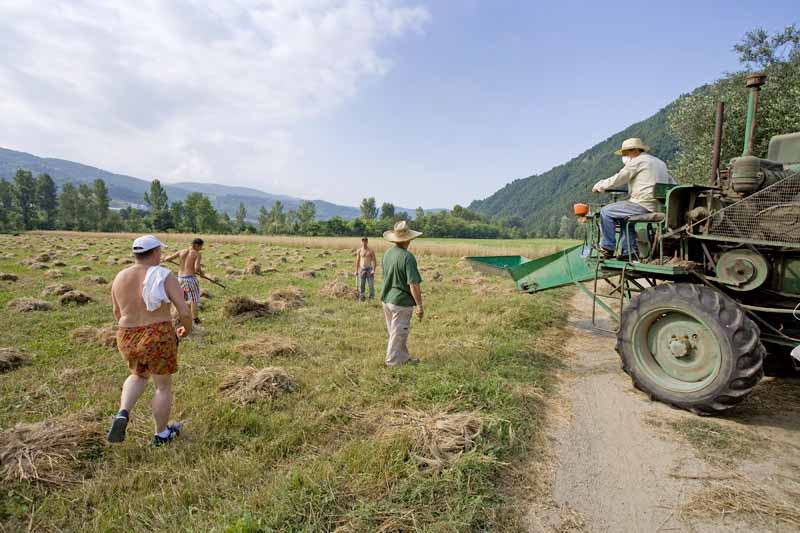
point(123, 413)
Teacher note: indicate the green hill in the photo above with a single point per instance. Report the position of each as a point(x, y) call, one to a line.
point(541, 200)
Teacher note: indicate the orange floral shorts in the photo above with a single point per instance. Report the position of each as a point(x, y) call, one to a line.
point(149, 349)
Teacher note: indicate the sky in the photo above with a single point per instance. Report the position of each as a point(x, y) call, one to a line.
point(417, 102)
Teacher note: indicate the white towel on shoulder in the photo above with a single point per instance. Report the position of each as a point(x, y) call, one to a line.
point(153, 292)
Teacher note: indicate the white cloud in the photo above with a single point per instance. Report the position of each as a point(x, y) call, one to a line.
point(186, 89)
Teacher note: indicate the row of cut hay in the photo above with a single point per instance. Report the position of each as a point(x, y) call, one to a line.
point(422, 246)
point(279, 300)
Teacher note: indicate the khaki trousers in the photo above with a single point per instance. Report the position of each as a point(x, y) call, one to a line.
point(398, 321)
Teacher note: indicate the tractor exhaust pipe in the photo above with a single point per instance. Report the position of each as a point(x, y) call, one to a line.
point(754, 83)
point(712, 179)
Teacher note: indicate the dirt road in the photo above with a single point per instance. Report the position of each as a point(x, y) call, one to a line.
point(624, 463)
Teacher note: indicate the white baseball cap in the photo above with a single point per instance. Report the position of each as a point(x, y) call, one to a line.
point(145, 243)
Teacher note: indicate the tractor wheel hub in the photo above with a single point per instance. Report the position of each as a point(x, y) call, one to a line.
point(680, 347)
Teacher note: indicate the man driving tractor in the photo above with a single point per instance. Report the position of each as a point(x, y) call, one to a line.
point(641, 173)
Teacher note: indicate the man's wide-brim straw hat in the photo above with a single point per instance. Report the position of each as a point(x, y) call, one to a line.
point(401, 233)
point(633, 144)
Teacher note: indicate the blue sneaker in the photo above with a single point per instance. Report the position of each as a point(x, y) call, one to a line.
point(118, 426)
point(174, 431)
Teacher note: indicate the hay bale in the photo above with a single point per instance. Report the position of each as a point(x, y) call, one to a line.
point(337, 289)
point(243, 308)
point(11, 359)
point(286, 298)
point(267, 346)
point(437, 276)
point(74, 297)
point(253, 269)
point(97, 280)
point(53, 274)
point(438, 438)
point(83, 268)
point(307, 274)
point(40, 266)
point(92, 258)
point(57, 289)
point(111, 261)
point(49, 452)
point(270, 270)
point(59, 264)
point(25, 305)
point(104, 336)
point(7, 277)
point(248, 385)
point(42, 258)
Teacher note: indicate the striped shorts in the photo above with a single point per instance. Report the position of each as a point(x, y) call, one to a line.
point(191, 288)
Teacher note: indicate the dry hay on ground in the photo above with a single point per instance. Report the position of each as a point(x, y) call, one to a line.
point(745, 500)
point(243, 308)
point(337, 289)
point(53, 274)
point(97, 280)
point(57, 289)
point(205, 293)
point(105, 336)
point(74, 297)
point(49, 452)
point(40, 266)
point(59, 264)
point(42, 258)
point(270, 270)
point(126, 261)
point(267, 346)
point(24, 305)
point(7, 277)
point(286, 297)
point(307, 274)
point(253, 269)
point(92, 258)
point(247, 385)
point(438, 438)
point(437, 276)
point(11, 359)
point(111, 261)
point(83, 268)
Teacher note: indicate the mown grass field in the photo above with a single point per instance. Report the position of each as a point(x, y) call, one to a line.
point(317, 459)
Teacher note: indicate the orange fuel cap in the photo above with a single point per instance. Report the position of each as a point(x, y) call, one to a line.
point(581, 210)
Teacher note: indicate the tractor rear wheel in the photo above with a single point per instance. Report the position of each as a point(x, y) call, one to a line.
point(690, 346)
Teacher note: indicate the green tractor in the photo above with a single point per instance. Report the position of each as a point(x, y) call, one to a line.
point(712, 301)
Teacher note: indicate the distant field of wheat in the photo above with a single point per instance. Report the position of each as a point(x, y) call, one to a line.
point(293, 423)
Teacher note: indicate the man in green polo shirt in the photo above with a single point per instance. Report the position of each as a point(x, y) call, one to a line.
point(400, 293)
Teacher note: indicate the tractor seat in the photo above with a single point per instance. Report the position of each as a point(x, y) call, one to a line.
point(647, 217)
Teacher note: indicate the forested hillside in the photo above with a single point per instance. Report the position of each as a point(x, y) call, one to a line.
point(681, 134)
point(539, 202)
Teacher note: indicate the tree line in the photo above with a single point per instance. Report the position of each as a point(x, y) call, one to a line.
point(31, 203)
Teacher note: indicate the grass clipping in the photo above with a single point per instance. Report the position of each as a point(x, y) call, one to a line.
point(745, 500)
point(438, 439)
point(267, 346)
point(48, 452)
point(248, 385)
point(11, 359)
point(279, 300)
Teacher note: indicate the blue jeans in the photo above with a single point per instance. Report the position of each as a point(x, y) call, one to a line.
point(366, 277)
point(616, 214)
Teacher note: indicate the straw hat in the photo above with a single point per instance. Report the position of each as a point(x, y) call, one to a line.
point(401, 233)
point(633, 144)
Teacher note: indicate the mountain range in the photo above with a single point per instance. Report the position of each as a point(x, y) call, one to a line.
point(129, 190)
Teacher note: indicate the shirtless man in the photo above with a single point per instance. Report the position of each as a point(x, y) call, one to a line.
point(146, 338)
point(365, 269)
point(190, 268)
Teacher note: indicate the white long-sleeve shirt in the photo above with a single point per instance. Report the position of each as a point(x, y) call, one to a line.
point(641, 175)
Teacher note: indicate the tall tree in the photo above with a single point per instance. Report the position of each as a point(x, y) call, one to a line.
point(46, 201)
point(8, 213)
point(158, 202)
point(277, 218)
point(101, 202)
point(25, 197)
point(192, 208)
point(369, 211)
point(87, 217)
point(761, 49)
point(387, 211)
point(419, 215)
point(306, 213)
point(177, 213)
point(69, 207)
point(241, 215)
point(263, 220)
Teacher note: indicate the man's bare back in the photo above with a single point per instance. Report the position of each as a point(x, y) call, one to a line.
point(190, 262)
point(129, 307)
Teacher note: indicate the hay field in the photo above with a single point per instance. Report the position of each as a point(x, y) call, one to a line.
point(327, 438)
